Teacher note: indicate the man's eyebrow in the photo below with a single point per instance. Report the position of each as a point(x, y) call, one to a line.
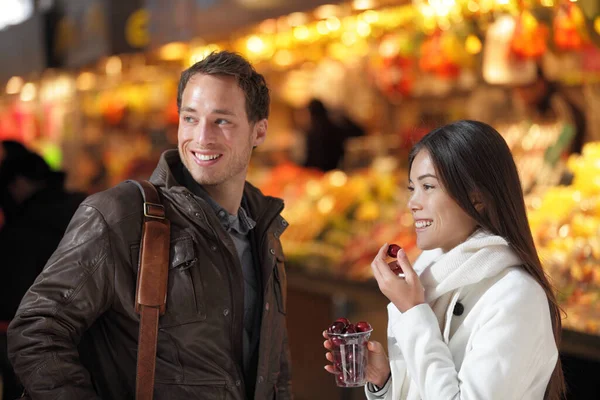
point(223, 111)
point(188, 109)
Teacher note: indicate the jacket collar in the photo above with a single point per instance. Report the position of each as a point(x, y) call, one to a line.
point(262, 209)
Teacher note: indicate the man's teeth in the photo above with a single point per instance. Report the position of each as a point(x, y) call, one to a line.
point(203, 157)
point(422, 224)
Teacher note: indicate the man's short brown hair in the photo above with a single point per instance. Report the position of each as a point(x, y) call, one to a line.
point(251, 82)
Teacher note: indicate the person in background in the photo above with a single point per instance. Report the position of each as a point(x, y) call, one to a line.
point(325, 137)
point(223, 335)
point(543, 101)
point(476, 317)
point(36, 209)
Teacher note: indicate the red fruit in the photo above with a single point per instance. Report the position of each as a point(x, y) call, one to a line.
point(395, 268)
point(350, 329)
point(363, 326)
point(336, 342)
point(393, 250)
point(336, 327)
point(343, 320)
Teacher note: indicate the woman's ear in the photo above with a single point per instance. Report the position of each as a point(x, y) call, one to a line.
point(477, 201)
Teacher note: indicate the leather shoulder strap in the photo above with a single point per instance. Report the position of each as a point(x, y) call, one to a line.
point(151, 290)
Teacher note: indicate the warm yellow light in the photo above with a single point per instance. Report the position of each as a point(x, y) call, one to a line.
point(363, 29)
point(473, 6)
point(301, 32)
point(349, 38)
point(363, 4)
point(114, 66)
point(333, 23)
point(473, 44)
point(297, 18)
point(502, 2)
point(573, 1)
point(268, 26)
point(389, 48)
point(370, 16)
point(597, 25)
point(29, 92)
point(200, 53)
point(284, 58)
point(547, 3)
point(173, 51)
point(338, 178)
point(325, 205)
point(322, 28)
point(86, 81)
point(14, 85)
point(327, 11)
point(255, 44)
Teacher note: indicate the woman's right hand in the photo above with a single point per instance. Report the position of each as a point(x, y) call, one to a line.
point(378, 365)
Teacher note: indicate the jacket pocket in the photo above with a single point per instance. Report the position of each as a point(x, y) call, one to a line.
point(280, 283)
point(185, 295)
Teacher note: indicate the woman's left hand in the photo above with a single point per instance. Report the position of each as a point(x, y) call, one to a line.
point(405, 292)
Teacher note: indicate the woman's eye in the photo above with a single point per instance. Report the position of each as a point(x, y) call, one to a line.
point(428, 187)
point(410, 189)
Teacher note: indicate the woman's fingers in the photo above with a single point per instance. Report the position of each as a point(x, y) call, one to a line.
point(409, 272)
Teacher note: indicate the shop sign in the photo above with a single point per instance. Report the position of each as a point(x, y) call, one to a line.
point(82, 33)
point(128, 24)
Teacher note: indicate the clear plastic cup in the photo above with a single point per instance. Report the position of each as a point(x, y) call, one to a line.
point(350, 358)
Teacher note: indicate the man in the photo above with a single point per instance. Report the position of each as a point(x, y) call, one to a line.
point(36, 210)
point(223, 335)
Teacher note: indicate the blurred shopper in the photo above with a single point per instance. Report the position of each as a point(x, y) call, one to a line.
point(544, 102)
point(223, 334)
point(325, 138)
point(36, 210)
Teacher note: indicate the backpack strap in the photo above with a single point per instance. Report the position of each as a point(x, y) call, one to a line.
point(151, 290)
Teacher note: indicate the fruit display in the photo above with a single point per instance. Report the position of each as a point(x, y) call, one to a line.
point(565, 221)
point(349, 350)
point(339, 221)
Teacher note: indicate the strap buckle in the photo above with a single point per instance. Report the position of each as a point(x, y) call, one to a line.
point(153, 210)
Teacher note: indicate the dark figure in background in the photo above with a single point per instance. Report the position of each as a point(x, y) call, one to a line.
point(325, 138)
point(36, 210)
point(545, 101)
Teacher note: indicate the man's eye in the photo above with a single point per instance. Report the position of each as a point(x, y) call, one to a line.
point(188, 119)
point(221, 121)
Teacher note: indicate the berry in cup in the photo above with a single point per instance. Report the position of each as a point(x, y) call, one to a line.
point(349, 350)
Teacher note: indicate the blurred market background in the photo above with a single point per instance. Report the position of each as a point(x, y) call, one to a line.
point(91, 86)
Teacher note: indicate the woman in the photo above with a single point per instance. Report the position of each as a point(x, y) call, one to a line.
point(476, 317)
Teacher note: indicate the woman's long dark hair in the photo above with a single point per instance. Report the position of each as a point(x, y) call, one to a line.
point(472, 158)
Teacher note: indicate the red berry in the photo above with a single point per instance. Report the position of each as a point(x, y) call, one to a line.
point(350, 329)
point(336, 342)
point(336, 327)
point(343, 320)
point(363, 326)
point(393, 250)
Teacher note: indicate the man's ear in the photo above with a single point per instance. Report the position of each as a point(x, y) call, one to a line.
point(260, 132)
point(477, 201)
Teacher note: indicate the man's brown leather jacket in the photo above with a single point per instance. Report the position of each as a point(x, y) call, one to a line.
point(75, 333)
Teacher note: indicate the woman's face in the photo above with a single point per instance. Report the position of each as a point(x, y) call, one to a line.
point(439, 220)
